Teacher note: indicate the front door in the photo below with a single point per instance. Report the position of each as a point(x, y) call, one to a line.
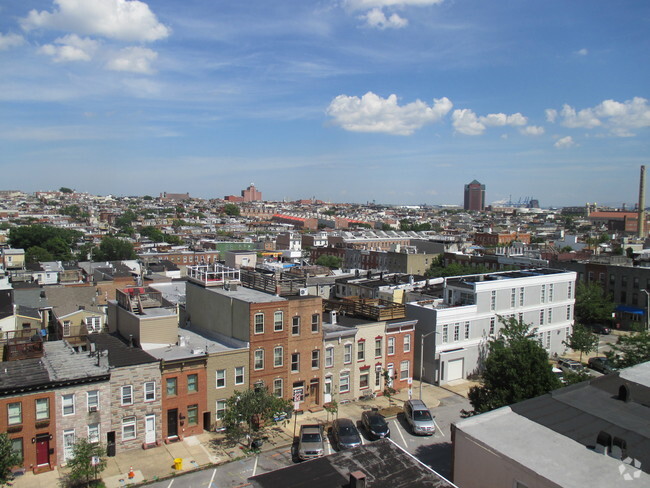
point(314, 392)
point(43, 450)
point(68, 444)
point(172, 422)
point(391, 374)
point(150, 429)
point(328, 390)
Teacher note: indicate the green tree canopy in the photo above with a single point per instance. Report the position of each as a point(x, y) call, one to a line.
point(231, 209)
point(329, 261)
point(582, 339)
point(630, 350)
point(439, 269)
point(8, 457)
point(592, 305)
point(114, 249)
point(516, 368)
point(80, 465)
point(153, 233)
point(64, 189)
point(56, 241)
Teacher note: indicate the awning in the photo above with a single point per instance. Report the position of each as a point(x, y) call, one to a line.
point(628, 309)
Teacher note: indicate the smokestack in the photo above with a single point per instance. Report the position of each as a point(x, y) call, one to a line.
point(641, 217)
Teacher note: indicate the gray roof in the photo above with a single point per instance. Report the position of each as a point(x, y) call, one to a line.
point(246, 294)
point(195, 344)
point(22, 375)
point(119, 353)
point(383, 462)
point(67, 299)
point(63, 363)
point(639, 374)
point(31, 297)
point(332, 331)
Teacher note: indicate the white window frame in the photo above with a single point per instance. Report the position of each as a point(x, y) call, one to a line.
point(522, 294)
point(295, 325)
point(220, 378)
point(258, 323)
point(66, 328)
point(15, 414)
point(278, 323)
point(347, 353)
point(568, 312)
point(404, 370)
point(513, 297)
point(128, 424)
point(344, 382)
point(94, 433)
point(315, 323)
point(93, 323)
point(126, 396)
point(329, 356)
point(493, 323)
point(407, 343)
point(278, 390)
point(296, 362)
point(150, 391)
point(456, 332)
point(542, 294)
point(549, 317)
point(220, 409)
point(361, 350)
point(315, 358)
point(92, 400)
point(493, 300)
point(258, 359)
point(541, 317)
point(390, 347)
point(196, 384)
point(278, 357)
point(239, 375)
point(68, 401)
point(445, 333)
point(467, 330)
point(39, 411)
point(378, 348)
point(68, 443)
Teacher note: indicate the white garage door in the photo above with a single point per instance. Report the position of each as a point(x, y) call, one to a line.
point(455, 369)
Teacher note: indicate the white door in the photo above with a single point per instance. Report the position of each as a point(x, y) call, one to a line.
point(328, 390)
point(68, 444)
point(150, 429)
point(391, 374)
point(455, 369)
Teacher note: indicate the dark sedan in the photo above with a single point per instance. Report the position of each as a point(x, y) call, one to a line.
point(600, 364)
point(375, 425)
point(345, 434)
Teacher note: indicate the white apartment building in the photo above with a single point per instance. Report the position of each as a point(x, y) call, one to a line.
point(457, 327)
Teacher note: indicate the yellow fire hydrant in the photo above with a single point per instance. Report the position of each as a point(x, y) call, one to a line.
point(178, 464)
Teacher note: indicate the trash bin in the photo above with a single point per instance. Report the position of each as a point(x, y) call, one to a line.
point(178, 464)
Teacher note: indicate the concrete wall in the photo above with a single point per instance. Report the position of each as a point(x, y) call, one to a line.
point(217, 312)
point(158, 330)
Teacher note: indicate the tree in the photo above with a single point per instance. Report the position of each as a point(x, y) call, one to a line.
point(582, 339)
point(439, 269)
point(37, 254)
point(515, 369)
point(389, 391)
point(248, 411)
point(630, 350)
point(329, 261)
point(592, 305)
point(64, 189)
point(82, 471)
point(8, 457)
point(231, 209)
point(114, 249)
point(56, 241)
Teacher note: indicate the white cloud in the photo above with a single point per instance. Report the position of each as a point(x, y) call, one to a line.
point(621, 118)
point(133, 59)
point(564, 143)
point(370, 4)
point(70, 48)
point(532, 130)
point(467, 122)
point(582, 52)
point(371, 113)
point(7, 41)
point(127, 20)
point(377, 19)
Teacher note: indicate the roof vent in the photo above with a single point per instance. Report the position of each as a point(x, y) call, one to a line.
point(624, 393)
point(357, 479)
point(603, 443)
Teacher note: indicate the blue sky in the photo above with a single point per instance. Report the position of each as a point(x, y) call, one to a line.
point(397, 101)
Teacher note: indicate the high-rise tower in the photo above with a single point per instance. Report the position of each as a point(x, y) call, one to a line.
point(474, 196)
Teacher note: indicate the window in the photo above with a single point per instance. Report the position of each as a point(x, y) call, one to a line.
point(363, 380)
point(378, 348)
point(361, 350)
point(390, 348)
point(635, 282)
point(549, 317)
point(466, 330)
point(192, 383)
point(445, 333)
point(221, 378)
point(92, 400)
point(127, 395)
point(378, 376)
point(68, 443)
point(93, 433)
point(550, 292)
point(569, 293)
point(295, 325)
point(128, 428)
point(192, 415)
point(548, 339)
point(278, 357)
point(15, 413)
point(93, 324)
point(344, 382)
point(329, 357)
point(259, 359)
point(259, 323)
point(221, 409)
point(492, 325)
point(17, 447)
point(404, 370)
point(68, 404)
point(278, 321)
point(493, 300)
point(513, 297)
point(149, 391)
point(541, 317)
point(239, 375)
point(521, 296)
point(66, 328)
point(407, 343)
point(315, 358)
point(171, 384)
point(295, 362)
point(568, 312)
point(42, 409)
point(456, 332)
point(542, 294)
point(347, 353)
point(315, 322)
point(277, 387)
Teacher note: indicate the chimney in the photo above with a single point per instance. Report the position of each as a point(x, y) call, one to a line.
point(130, 340)
point(641, 218)
point(333, 317)
point(357, 479)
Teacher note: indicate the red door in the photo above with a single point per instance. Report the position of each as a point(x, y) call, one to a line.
point(43, 451)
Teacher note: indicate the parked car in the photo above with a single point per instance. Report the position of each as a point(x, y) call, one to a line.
point(600, 329)
point(345, 434)
point(559, 374)
point(311, 442)
point(375, 424)
point(419, 417)
point(570, 365)
point(601, 364)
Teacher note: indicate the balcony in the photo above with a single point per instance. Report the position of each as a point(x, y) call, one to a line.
point(370, 308)
point(22, 344)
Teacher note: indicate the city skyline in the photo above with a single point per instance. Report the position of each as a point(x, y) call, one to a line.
point(399, 102)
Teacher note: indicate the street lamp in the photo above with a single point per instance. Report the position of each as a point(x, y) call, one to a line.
point(647, 309)
point(422, 357)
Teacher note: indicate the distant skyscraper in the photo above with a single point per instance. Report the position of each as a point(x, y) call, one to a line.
point(474, 196)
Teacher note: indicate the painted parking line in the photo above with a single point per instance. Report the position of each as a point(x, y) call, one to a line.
point(438, 429)
point(257, 458)
point(399, 431)
point(212, 479)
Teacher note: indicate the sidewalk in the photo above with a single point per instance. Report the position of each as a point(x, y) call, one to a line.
point(209, 449)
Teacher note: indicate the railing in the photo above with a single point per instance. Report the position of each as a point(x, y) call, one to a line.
point(212, 274)
point(22, 344)
point(271, 284)
point(372, 308)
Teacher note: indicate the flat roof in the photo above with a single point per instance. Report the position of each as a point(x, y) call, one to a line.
point(196, 344)
point(245, 294)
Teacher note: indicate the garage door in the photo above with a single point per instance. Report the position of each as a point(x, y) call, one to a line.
point(455, 369)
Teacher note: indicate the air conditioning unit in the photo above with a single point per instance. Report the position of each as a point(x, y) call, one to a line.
point(304, 292)
point(92, 408)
